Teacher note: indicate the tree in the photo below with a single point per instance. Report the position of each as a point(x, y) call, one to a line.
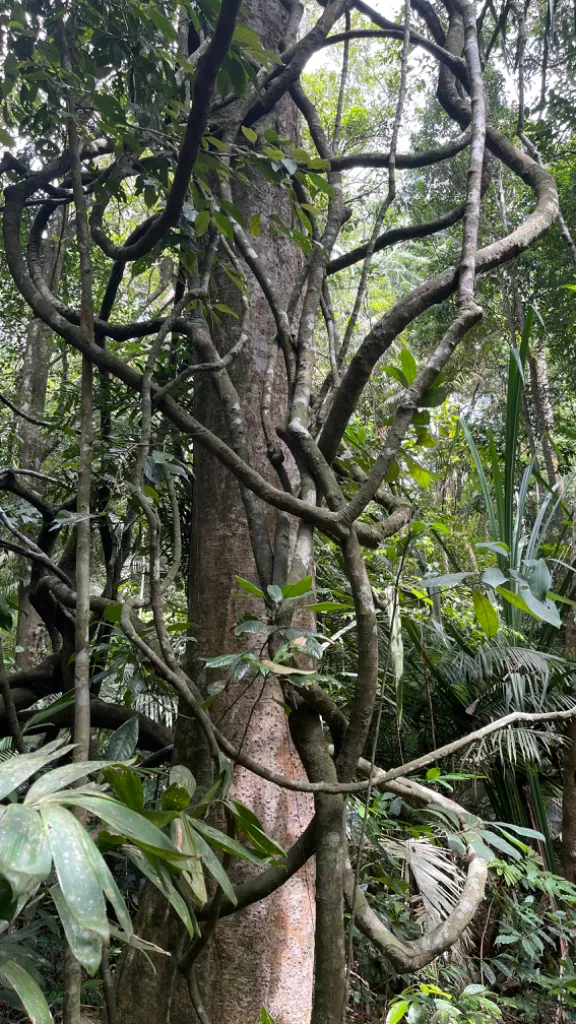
point(189, 132)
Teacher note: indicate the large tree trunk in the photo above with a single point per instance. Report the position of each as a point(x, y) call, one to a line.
point(262, 957)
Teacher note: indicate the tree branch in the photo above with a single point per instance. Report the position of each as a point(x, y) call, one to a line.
point(204, 82)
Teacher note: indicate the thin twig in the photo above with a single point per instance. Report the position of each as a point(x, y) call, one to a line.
point(342, 90)
point(24, 415)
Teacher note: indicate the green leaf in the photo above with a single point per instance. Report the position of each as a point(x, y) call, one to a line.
point(157, 873)
point(224, 225)
point(255, 224)
point(250, 134)
point(474, 990)
point(214, 866)
point(500, 844)
point(449, 580)
point(419, 474)
point(530, 833)
point(86, 945)
point(109, 107)
point(252, 626)
point(247, 38)
point(175, 798)
point(180, 775)
point(237, 74)
point(126, 821)
point(512, 427)
point(486, 614)
point(278, 669)
point(493, 576)
point(188, 843)
point(252, 826)
point(512, 839)
point(545, 611)
point(562, 598)
point(515, 600)
point(78, 881)
point(250, 588)
point(55, 780)
point(19, 768)
point(113, 612)
point(109, 887)
point(108, 841)
point(65, 701)
point(397, 1011)
point(408, 365)
point(506, 940)
point(297, 589)
point(185, 63)
point(122, 743)
point(397, 374)
point(25, 858)
point(202, 223)
point(432, 398)
point(6, 139)
point(275, 593)
point(220, 784)
point(160, 818)
point(136, 941)
point(224, 309)
point(540, 580)
point(480, 847)
point(227, 844)
point(393, 473)
point(27, 990)
point(492, 516)
point(221, 661)
point(321, 183)
point(162, 23)
point(499, 548)
point(329, 606)
point(127, 786)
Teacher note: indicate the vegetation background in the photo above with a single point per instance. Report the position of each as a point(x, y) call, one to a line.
point(287, 512)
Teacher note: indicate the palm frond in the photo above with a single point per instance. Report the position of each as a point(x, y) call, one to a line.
point(437, 878)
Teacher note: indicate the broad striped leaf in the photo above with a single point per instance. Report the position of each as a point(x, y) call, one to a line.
point(27, 990)
point(25, 856)
point(78, 881)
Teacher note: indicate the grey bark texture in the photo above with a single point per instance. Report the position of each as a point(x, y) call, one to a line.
point(262, 956)
point(38, 349)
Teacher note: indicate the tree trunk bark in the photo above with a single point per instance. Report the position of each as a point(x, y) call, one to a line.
point(261, 957)
point(38, 348)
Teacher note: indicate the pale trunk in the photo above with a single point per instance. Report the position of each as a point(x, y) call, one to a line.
point(262, 957)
